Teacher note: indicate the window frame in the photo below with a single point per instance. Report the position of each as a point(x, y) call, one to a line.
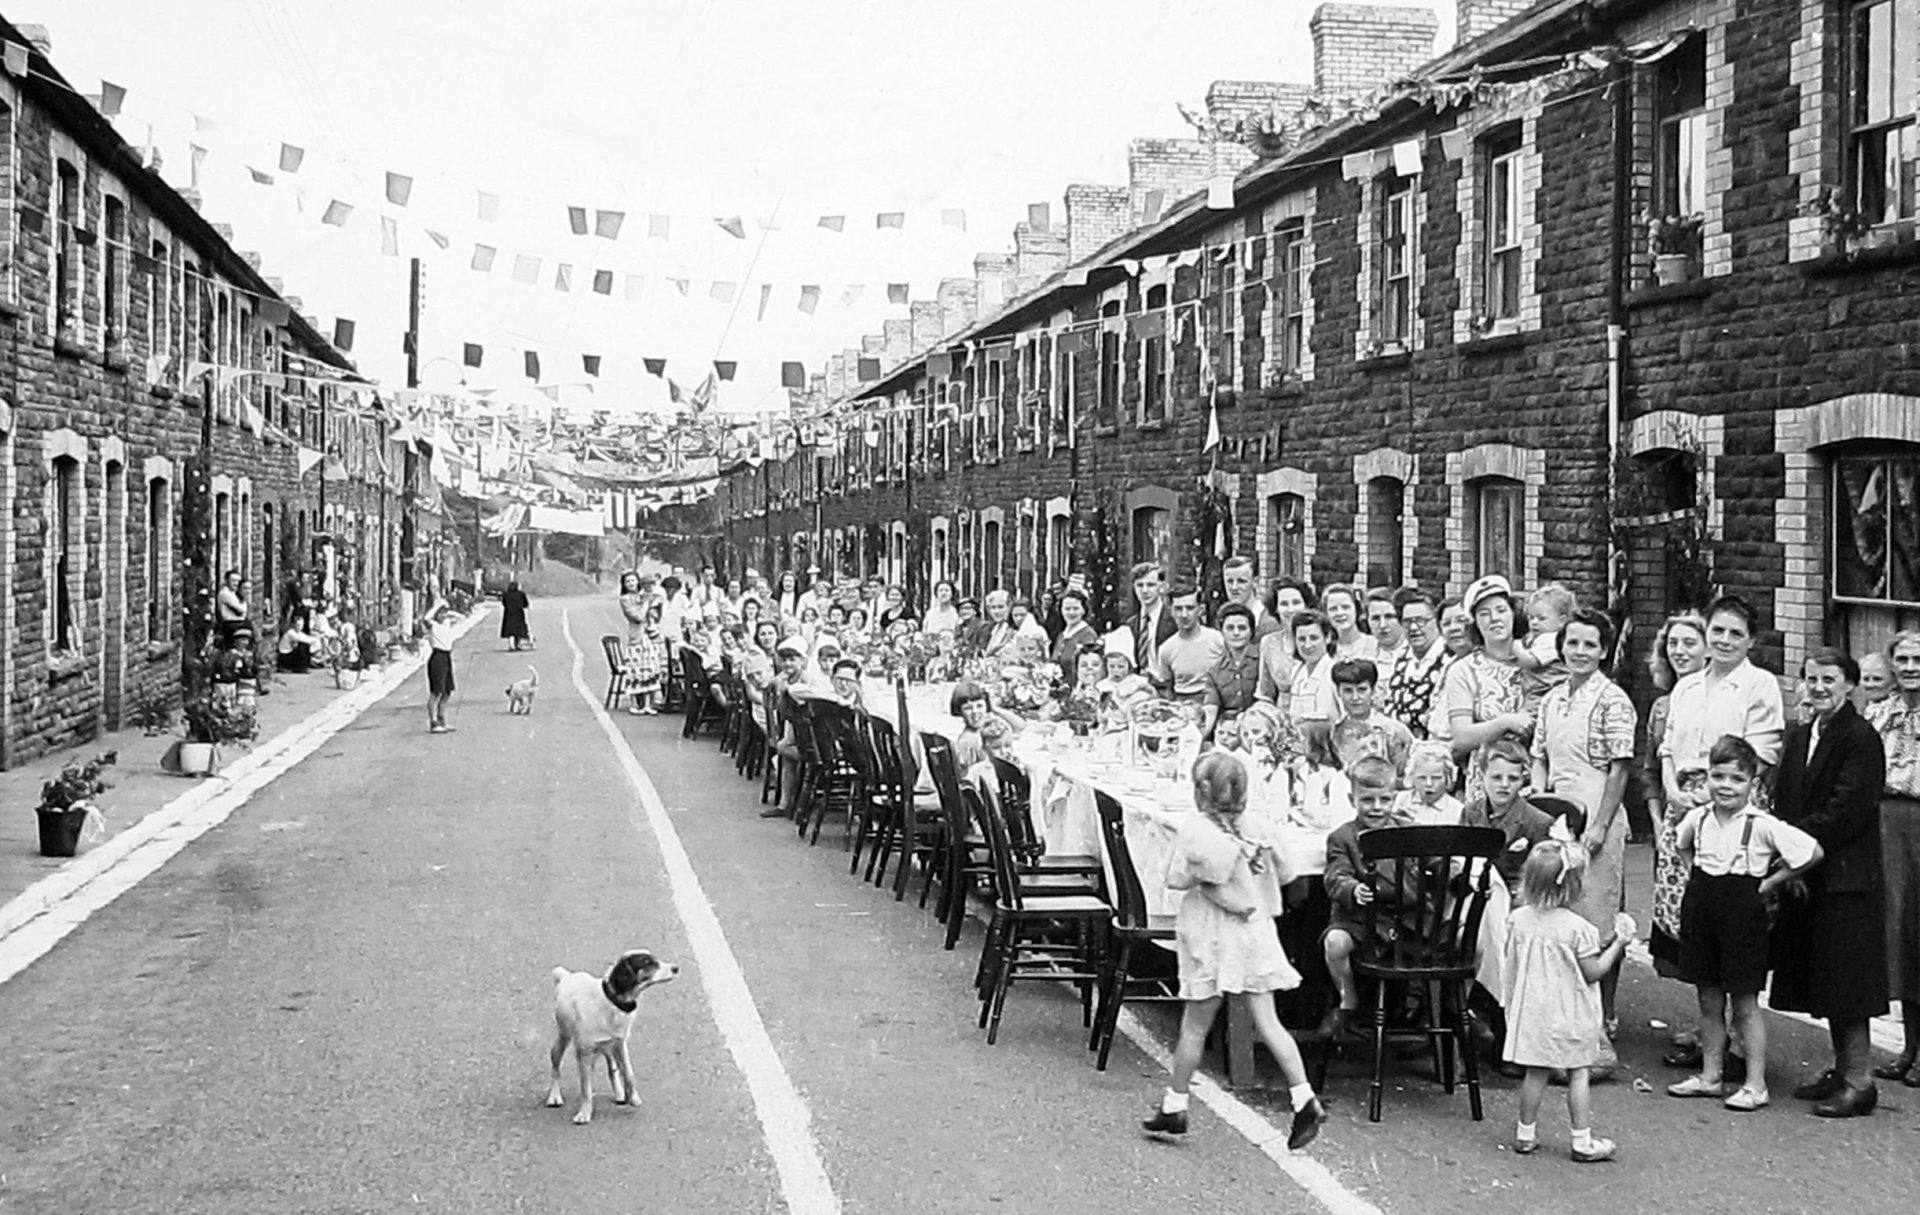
point(115, 292)
point(1861, 129)
point(66, 551)
point(1680, 132)
point(69, 259)
point(1501, 246)
point(1292, 269)
point(159, 572)
point(1397, 250)
point(1156, 361)
point(1885, 455)
point(1112, 365)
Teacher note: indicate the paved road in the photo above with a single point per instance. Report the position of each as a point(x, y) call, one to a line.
point(338, 1001)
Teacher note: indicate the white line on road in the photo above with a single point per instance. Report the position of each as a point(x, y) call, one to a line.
point(785, 1120)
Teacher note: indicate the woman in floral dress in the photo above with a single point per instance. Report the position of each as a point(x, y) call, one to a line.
point(1480, 695)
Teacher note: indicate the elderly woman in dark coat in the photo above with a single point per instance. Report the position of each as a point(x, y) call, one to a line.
point(1829, 948)
point(513, 614)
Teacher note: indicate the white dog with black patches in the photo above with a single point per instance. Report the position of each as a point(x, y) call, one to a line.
point(593, 1017)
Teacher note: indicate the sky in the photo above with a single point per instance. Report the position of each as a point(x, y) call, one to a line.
point(776, 112)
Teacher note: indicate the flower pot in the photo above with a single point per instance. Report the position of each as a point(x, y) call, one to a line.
point(60, 831)
point(1671, 268)
point(196, 758)
point(346, 678)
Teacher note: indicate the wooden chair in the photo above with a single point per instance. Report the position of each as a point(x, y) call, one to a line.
point(832, 780)
point(1032, 936)
point(919, 830)
point(1016, 803)
point(1423, 932)
point(1131, 926)
point(703, 709)
point(962, 859)
point(616, 652)
point(775, 718)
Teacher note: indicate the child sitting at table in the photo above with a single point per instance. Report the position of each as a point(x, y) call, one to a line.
point(1500, 805)
point(1349, 886)
point(1361, 731)
point(1225, 860)
point(1551, 992)
point(1430, 773)
point(1732, 847)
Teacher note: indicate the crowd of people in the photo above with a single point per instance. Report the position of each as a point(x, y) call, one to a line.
point(1786, 831)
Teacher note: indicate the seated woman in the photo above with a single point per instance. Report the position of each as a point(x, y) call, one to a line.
point(297, 640)
point(974, 707)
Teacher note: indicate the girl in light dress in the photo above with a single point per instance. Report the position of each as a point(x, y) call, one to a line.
point(1550, 989)
point(1225, 860)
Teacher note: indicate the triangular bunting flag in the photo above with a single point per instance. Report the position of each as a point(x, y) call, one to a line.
point(260, 176)
point(793, 375)
point(940, 366)
point(290, 158)
point(732, 226)
point(533, 364)
point(112, 97)
point(526, 268)
point(389, 237)
point(337, 213)
point(766, 293)
point(308, 457)
point(1150, 207)
point(655, 366)
point(897, 293)
point(603, 282)
point(438, 238)
point(471, 355)
point(1147, 325)
point(16, 59)
point(681, 284)
point(890, 219)
point(725, 370)
point(851, 295)
point(1220, 194)
point(659, 227)
point(274, 313)
point(954, 218)
point(869, 370)
point(591, 362)
point(722, 291)
point(836, 223)
point(606, 224)
point(256, 421)
point(483, 256)
point(809, 299)
point(343, 333)
point(399, 188)
point(577, 220)
point(563, 277)
point(1213, 428)
point(489, 206)
point(1040, 216)
point(635, 284)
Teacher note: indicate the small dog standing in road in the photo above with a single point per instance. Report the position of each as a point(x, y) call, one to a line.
point(594, 1017)
point(520, 694)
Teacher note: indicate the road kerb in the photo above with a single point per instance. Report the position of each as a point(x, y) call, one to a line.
point(77, 874)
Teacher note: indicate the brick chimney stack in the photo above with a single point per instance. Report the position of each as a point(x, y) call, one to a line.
point(994, 274)
point(1037, 254)
point(1096, 215)
point(1174, 167)
point(1359, 47)
point(1230, 102)
point(1476, 17)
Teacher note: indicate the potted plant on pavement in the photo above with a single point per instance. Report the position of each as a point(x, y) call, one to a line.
point(1675, 243)
point(210, 723)
point(67, 806)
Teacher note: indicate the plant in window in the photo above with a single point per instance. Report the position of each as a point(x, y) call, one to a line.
point(1841, 226)
point(1669, 235)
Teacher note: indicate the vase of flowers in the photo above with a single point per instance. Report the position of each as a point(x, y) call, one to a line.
point(67, 809)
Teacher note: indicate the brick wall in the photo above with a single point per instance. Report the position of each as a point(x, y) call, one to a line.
point(101, 412)
point(1765, 370)
point(1359, 47)
point(1476, 17)
point(1096, 215)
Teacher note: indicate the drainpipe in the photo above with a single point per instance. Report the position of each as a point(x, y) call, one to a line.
point(1617, 321)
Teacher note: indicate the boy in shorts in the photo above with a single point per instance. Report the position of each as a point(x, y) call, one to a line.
point(1738, 855)
point(1374, 801)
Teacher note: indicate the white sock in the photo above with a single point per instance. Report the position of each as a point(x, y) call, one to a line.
point(1583, 1140)
point(1173, 1103)
point(1526, 1132)
point(1301, 1095)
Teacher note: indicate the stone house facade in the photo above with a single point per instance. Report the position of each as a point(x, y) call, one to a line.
point(113, 292)
point(1442, 343)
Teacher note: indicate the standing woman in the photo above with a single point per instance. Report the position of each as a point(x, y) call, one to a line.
point(1679, 649)
point(894, 607)
point(1277, 657)
point(1480, 694)
point(1583, 751)
point(1341, 604)
point(944, 614)
point(513, 613)
point(634, 603)
point(1830, 948)
point(1728, 696)
point(1075, 632)
point(786, 598)
point(1897, 718)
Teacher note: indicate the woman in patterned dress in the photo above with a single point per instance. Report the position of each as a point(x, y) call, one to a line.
point(1480, 695)
point(1679, 649)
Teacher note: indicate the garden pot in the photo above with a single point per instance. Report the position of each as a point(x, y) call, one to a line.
point(60, 831)
point(1671, 268)
point(196, 758)
point(346, 678)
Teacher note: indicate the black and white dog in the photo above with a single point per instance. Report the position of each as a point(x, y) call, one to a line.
point(594, 1016)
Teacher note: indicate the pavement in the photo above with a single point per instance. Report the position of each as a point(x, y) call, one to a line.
point(336, 999)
